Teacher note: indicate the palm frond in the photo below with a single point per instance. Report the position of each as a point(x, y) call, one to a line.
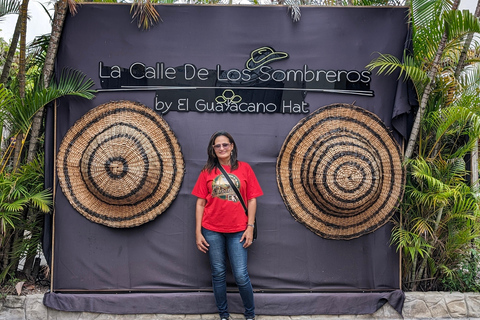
point(6, 99)
point(412, 244)
point(469, 81)
point(37, 50)
point(15, 206)
point(145, 14)
point(387, 64)
point(9, 7)
point(422, 226)
point(21, 111)
point(72, 6)
point(41, 200)
point(459, 23)
point(423, 173)
point(294, 8)
point(72, 83)
point(50, 17)
point(425, 11)
point(426, 40)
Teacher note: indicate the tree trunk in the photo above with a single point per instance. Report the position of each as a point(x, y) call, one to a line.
point(474, 168)
point(22, 65)
point(428, 90)
point(57, 27)
point(13, 46)
point(17, 152)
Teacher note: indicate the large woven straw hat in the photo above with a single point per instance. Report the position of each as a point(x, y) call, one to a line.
point(120, 165)
point(340, 172)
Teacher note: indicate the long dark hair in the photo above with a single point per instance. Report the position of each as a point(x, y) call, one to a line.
point(212, 157)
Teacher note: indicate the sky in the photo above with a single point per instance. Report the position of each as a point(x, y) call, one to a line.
point(39, 23)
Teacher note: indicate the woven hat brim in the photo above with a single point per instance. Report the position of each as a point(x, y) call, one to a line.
point(340, 172)
point(120, 165)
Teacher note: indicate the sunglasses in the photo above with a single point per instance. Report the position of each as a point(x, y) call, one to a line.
point(220, 145)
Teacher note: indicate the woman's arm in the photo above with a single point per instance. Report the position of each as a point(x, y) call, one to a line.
point(248, 234)
point(202, 244)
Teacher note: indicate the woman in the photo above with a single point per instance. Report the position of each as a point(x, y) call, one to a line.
point(222, 227)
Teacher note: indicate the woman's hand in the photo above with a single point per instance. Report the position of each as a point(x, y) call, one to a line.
point(202, 244)
point(247, 237)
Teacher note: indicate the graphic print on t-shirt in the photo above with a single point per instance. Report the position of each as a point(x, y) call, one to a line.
point(222, 189)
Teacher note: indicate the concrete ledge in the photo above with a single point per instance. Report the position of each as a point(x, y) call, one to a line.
point(418, 305)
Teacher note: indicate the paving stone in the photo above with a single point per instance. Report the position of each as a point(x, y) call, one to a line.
point(416, 309)
point(456, 305)
point(89, 316)
point(170, 316)
point(473, 304)
point(14, 302)
point(13, 314)
point(62, 315)
point(34, 308)
point(123, 317)
point(386, 312)
point(437, 305)
point(322, 317)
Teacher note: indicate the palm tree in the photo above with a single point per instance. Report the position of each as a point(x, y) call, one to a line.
point(13, 46)
point(48, 67)
point(146, 16)
point(440, 210)
point(17, 113)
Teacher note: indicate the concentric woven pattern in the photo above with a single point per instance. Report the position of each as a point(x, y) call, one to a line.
point(120, 165)
point(340, 172)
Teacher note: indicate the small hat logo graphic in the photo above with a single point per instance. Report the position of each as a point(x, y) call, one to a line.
point(262, 56)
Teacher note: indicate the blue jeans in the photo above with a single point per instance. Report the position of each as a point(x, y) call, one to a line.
point(222, 244)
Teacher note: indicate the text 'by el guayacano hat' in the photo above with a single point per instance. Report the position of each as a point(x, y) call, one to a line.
point(340, 172)
point(120, 165)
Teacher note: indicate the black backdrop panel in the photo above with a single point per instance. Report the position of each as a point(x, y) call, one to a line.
point(161, 255)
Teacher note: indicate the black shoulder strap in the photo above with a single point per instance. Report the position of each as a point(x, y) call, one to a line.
point(233, 186)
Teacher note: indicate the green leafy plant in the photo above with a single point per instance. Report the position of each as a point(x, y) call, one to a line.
point(20, 192)
point(440, 210)
point(466, 276)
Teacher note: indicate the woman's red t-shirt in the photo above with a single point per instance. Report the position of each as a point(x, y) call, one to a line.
point(223, 211)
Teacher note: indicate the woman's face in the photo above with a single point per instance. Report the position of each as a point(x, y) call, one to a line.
point(223, 149)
